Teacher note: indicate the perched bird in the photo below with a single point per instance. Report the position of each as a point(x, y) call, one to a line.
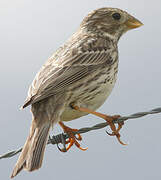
point(75, 81)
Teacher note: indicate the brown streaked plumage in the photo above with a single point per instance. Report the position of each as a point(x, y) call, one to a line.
point(81, 73)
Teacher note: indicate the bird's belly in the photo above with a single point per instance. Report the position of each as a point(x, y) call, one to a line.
point(91, 100)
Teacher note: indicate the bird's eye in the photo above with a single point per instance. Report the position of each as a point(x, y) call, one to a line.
point(116, 16)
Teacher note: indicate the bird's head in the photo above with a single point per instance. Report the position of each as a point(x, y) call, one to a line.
point(110, 21)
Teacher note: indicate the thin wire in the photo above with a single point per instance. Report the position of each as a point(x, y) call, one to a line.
point(60, 138)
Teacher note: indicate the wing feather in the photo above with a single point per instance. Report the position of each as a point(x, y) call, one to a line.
point(61, 72)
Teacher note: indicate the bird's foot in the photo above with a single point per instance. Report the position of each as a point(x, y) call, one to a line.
point(115, 131)
point(110, 120)
point(73, 139)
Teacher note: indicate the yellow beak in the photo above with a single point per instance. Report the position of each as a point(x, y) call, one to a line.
point(133, 23)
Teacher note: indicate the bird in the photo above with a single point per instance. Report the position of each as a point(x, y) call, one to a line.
point(75, 81)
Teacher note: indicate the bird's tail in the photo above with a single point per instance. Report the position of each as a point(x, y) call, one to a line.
point(33, 151)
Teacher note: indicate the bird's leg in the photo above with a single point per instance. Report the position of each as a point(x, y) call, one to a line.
point(109, 119)
point(72, 138)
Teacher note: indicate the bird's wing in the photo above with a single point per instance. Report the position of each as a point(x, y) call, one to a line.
point(63, 70)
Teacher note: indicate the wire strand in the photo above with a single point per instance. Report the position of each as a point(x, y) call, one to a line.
point(60, 138)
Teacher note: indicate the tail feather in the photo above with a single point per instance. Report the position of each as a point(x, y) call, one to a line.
point(33, 151)
point(34, 160)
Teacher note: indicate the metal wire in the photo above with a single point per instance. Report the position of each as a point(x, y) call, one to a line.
point(60, 138)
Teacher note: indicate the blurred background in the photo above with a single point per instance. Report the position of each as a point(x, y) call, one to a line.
point(30, 31)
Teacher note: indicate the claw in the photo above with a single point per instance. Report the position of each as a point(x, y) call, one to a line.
point(118, 138)
point(61, 149)
point(115, 131)
point(64, 144)
point(78, 146)
point(110, 134)
point(78, 137)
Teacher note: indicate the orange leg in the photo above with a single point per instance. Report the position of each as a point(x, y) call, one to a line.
point(109, 119)
point(72, 138)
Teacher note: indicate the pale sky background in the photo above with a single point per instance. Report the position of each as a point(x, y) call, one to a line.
point(30, 31)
